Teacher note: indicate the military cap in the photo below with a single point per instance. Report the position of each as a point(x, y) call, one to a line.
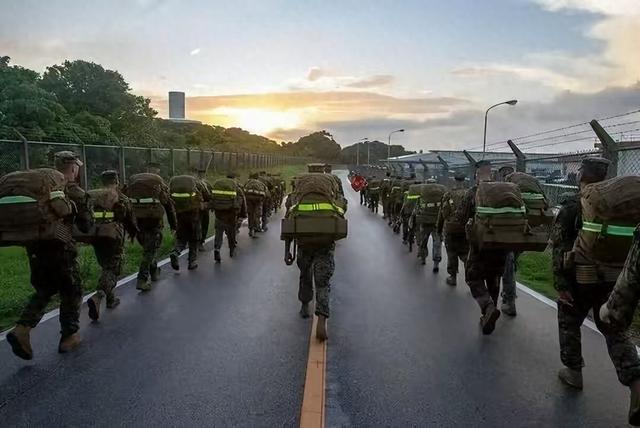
point(595, 163)
point(109, 176)
point(153, 165)
point(459, 176)
point(504, 168)
point(231, 174)
point(254, 175)
point(431, 180)
point(567, 197)
point(66, 157)
point(483, 163)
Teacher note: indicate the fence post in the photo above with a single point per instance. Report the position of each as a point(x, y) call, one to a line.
point(521, 159)
point(609, 147)
point(85, 177)
point(121, 165)
point(172, 161)
point(188, 158)
point(472, 166)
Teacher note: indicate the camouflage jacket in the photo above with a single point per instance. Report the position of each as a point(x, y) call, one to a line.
point(83, 217)
point(623, 300)
point(448, 207)
point(563, 235)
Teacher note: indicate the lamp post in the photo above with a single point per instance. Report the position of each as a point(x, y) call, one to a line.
point(389, 146)
point(358, 149)
point(486, 114)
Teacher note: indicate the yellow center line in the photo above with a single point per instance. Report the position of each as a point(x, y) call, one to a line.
point(312, 415)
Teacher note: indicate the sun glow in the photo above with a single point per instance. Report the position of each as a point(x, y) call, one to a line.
point(257, 120)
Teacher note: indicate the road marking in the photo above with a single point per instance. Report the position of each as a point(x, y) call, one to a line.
point(312, 414)
point(124, 281)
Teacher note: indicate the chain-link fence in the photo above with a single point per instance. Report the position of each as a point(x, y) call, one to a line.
point(128, 160)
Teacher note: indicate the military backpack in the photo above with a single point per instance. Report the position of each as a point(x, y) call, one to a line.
point(33, 207)
point(106, 215)
point(538, 211)
point(185, 193)
point(224, 195)
point(428, 203)
point(255, 190)
point(148, 194)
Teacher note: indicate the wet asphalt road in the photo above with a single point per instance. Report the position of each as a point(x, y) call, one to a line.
point(224, 346)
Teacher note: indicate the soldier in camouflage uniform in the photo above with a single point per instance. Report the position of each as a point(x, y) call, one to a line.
point(617, 313)
point(576, 300)
point(509, 295)
point(455, 239)
point(205, 213)
point(227, 223)
point(484, 268)
point(54, 270)
point(385, 190)
point(110, 252)
point(150, 238)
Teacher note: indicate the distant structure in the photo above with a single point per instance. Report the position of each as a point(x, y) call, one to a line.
point(177, 108)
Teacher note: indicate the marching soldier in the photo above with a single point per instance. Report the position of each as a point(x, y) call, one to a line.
point(575, 300)
point(451, 226)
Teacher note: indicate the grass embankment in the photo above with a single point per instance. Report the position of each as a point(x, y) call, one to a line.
point(15, 288)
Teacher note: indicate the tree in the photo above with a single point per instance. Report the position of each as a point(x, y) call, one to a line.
point(319, 145)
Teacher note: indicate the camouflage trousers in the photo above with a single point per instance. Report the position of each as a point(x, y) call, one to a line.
point(205, 216)
point(265, 213)
point(457, 248)
point(509, 277)
point(188, 234)
point(483, 271)
point(150, 238)
point(254, 212)
point(424, 231)
point(54, 270)
point(109, 253)
point(622, 352)
point(316, 264)
point(374, 203)
point(225, 227)
point(386, 210)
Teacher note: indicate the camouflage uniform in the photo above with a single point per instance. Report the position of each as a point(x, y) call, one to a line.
point(255, 204)
point(455, 239)
point(385, 190)
point(227, 222)
point(316, 264)
point(484, 268)
point(189, 227)
point(618, 312)
point(205, 215)
point(150, 238)
point(622, 352)
point(54, 267)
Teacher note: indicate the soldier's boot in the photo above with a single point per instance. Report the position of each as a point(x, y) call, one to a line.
point(423, 261)
point(192, 265)
point(113, 302)
point(452, 281)
point(175, 263)
point(265, 228)
point(304, 310)
point(321, 328)
point(571, 377)
point(252, 234)
point(155, 274)
point(489, 318)
point(232, 252)
point(634, 404)
point(216, 256)
point(94, 303)
point(201, 247)
point(509, 307)
point(436, 268)
point(20, 342)
point(143, 284)
point(69, 343)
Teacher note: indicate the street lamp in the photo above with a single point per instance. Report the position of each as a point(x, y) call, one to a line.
point(484, 144)
point(358, 150)
point(389, 146)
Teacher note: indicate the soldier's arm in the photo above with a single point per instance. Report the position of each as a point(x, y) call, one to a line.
point(128, 217)
point(618, 311)
point(169, 208)
point(562, 239)
point(468, 205)
point(84, 208)
point(441, 214)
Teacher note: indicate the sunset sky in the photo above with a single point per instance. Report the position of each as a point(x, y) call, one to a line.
point(284, 68)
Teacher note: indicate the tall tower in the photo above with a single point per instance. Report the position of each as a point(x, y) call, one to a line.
point(176, 105)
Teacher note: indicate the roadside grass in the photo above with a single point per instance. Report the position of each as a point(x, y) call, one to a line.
point(15, 288)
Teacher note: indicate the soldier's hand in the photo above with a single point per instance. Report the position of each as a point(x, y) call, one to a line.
point(565, 298)
point(288, 258)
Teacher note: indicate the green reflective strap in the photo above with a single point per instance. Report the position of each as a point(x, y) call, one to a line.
point(609, 229)
point(182, 195)
point(320, 206)
point(532, 196)
point(374, 189)
point(256, 192)
point(103, 215)
point(504, 210)
point(413, 197)
point(224, 192)
point(56, 194)
point(145, 201)
point(16, 200)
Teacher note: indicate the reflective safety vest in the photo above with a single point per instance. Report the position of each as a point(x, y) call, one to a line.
point(608, 229)
point(225, 193)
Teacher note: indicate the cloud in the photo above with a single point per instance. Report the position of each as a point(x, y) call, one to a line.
point(543, 76)
point(320, 79)
point(314, 74)
point(603, 7)
point(195, 52)
point(371, 81)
